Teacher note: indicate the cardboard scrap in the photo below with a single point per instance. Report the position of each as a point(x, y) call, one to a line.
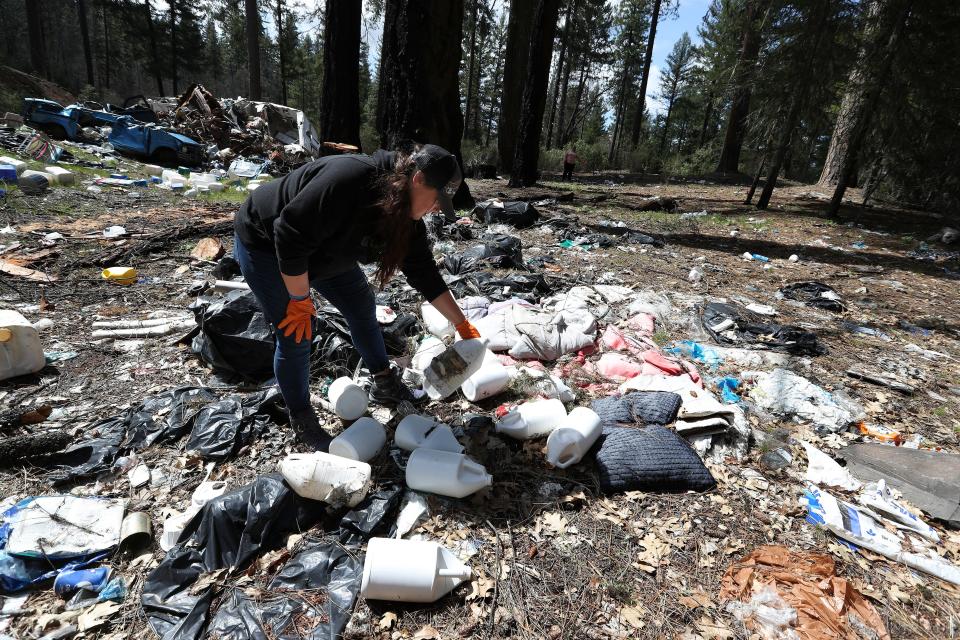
point(808, 583)
point(8, 267)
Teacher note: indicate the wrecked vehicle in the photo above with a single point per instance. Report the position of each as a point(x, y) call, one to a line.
point(156, 145)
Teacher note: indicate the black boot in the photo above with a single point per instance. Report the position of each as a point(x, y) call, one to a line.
point(388, 389)
point(307, 427)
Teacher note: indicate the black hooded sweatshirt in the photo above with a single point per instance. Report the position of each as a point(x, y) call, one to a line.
point(320, 219)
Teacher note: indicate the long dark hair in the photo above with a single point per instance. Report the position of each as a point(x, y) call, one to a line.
point(394, 225)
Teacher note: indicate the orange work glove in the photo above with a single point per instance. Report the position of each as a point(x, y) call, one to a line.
point(467, 330)
point(299, 319)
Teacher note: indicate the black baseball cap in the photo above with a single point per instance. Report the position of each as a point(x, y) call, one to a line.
point(442, 172)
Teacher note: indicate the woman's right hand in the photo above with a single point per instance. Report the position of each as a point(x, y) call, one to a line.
point(299, 319)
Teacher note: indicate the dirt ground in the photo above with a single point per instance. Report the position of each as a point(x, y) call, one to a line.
point(552, 556)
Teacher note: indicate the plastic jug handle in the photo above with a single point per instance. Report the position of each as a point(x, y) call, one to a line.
point(462, 572)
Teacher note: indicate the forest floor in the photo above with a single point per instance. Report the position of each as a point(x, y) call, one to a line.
point(552, 556)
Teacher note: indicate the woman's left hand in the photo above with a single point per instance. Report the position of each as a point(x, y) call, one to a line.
point(467, 330)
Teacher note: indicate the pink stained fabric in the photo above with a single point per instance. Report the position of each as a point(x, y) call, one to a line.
point(642, 323)
point(655, 363)
point(616, 366)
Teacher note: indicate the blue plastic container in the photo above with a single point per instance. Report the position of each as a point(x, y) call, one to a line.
point(8, 173)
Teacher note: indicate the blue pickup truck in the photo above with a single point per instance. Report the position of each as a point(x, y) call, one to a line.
point(128, 136)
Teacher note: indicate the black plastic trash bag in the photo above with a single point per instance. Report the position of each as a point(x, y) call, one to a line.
point(233, 336)
point(497, 250)
point(229, 532)
point(311, 598)
point(649, 459)
point(732, 324)
point(526, 286)
point(88, 458)
point(396, 333)
point(222, 428)
point(166, 416)
point(516, 213)
point(370, 517)
point(814, 294)
point(440, 227)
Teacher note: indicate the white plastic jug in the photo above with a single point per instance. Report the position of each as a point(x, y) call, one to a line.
point(348, 400)
point(328, 478)
point(448, 370)
point(489, 380)
point(207, 491)
point(445, 473)
point(410, 571)
point(533, 419)
point(570, 441)
point(435, 322)
point(429, 348)
point(415, 432)
point(360, 441)
point(20, 349)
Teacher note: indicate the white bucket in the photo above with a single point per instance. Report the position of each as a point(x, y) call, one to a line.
point(360, 441)
point(409, 571)
point(533, 419)
point(415, 432)
point(569, 442)
point(445, 473)
point(349, 400)
point(328, 478)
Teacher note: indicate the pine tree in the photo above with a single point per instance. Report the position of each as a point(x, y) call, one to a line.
point(673, 80)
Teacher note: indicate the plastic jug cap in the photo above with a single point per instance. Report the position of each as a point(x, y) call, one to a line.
point(5, 334)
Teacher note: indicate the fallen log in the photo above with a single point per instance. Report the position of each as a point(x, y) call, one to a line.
point(32, 445)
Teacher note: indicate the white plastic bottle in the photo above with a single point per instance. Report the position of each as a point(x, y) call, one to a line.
point(435, 322)
point(489, 380)
point(416, 431)
point(410, 571)
point(328, 478)
point(347, 399)
point(570, 441)
point(445, 473)
point(448, 370)
point(533, 419)
point(360, 441)
point(20, 350)
point(428, 349)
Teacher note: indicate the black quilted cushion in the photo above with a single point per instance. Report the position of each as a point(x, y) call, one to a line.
point(639, 407)
point(649, 459)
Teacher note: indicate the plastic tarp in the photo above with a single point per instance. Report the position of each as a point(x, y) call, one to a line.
point(498, 250)
point(732, 324)
point(814, 294)
point(515, 213)
point(786, 394)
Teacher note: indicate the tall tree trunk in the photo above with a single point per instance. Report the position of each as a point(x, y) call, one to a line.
point(666, 119)
point(418, 99)
point(648, 56)
point(527, 154)
point(884, 26)
point(515, 61)
point(253, 49)
point(38, 48)
point(158, 76)
point(85, 38)
point(621, 105)
point(562, 110)
point(106, 46)
point(174, 49)
point(564, 40)
point(815, 27)
point(566, 133)
point(471, 67)
point(340, 99)
point(707, 114)
point(742, 81)
point(496, 91)
point(280, 53)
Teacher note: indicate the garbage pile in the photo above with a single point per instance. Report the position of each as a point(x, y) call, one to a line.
point(597, 383)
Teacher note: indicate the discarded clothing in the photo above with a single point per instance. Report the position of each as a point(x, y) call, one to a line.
point(640, 408)
point(530, 333)
point(732, 324)
point(791, 396)
point(649, 459)
point(497, 250)
point(618, 367)
point(516, 213)
point(594, 299)
point(656, 363)
point(929, 480)
point(814, 294)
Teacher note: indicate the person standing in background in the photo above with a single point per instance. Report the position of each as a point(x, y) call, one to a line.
point(569, 162)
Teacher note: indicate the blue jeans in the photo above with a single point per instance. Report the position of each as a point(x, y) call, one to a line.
point(349, 292)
